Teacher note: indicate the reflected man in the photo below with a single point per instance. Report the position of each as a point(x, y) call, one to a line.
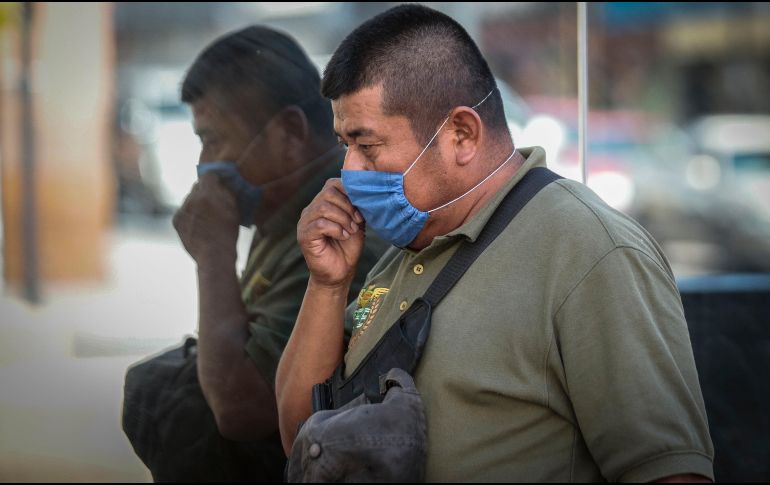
point(267, 149)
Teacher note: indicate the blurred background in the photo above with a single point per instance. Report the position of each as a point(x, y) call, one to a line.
point(96, 152)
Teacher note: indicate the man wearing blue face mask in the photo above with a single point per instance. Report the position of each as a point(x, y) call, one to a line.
point(561, 354)
point(267, 148)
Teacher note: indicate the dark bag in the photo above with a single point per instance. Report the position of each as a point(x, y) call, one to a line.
point(174, 432)
point(362, 441)
point(379, 400)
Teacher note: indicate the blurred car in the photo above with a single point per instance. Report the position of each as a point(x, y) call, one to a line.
point(729, 171)
point(703, 193)
point(621, 165)
point(733, 155)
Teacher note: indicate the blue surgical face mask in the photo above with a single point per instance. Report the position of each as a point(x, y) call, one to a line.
point(380, 198)
point(247, 195)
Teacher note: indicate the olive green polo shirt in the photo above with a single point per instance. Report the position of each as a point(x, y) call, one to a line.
point(561, 355)
point(276, 276)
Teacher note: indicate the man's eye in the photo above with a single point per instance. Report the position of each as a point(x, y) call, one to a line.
point(365, 148)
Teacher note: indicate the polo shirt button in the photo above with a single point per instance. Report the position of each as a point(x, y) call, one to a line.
point(418, 269)
point(402, 306)
point(315, 450)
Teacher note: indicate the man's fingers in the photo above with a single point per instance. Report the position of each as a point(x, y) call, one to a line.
point(211, 183)
point(332, 212)
point(321, 228)
point(209, 193)
point(208, 180)
point(334, 193)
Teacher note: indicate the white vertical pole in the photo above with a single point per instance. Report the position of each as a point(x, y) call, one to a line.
point(582, 74)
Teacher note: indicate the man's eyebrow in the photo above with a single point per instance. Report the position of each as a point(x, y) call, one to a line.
point(356, 132)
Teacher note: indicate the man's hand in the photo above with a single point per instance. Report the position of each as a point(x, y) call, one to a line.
point(207, 222)
point(240, 398)
point(331, 236)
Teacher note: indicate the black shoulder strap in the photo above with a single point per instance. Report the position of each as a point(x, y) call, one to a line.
point(532, 182)
point(403, 343)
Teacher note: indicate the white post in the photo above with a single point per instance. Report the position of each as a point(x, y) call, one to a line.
point(582, 73)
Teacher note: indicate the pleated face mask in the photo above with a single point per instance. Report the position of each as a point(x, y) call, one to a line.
point(380, 198)
point(247, 195)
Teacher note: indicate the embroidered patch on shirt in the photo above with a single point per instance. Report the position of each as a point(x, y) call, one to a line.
point(369, 301)
point(254, 287)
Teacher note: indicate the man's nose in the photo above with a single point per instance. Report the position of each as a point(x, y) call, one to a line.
point(353, 161)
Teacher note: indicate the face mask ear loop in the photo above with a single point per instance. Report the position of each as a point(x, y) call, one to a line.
point(477, 185)
point(426, 147)
point(439, 131)
point(261, 131)
point(245, 152)
point(482, 101)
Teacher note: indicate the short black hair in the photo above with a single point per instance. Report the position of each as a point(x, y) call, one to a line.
point(427, 64)
point(259, 71)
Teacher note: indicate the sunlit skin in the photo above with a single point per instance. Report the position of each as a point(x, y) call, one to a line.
point(458, 158)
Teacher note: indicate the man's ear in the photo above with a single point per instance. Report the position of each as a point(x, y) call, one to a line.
point(467, 130)
point(294, 131)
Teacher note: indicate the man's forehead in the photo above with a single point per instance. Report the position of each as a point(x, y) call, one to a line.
point(211, 114)
point(204, 111)
point(359, 113)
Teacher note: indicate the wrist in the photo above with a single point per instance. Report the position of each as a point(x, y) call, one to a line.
point(216, 257)
point(331, 290)
point(216, 263)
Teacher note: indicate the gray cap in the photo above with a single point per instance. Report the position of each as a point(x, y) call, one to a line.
point(365, 442)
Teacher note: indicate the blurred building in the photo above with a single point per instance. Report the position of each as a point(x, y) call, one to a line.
point(680, 59)
point(55, 139)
